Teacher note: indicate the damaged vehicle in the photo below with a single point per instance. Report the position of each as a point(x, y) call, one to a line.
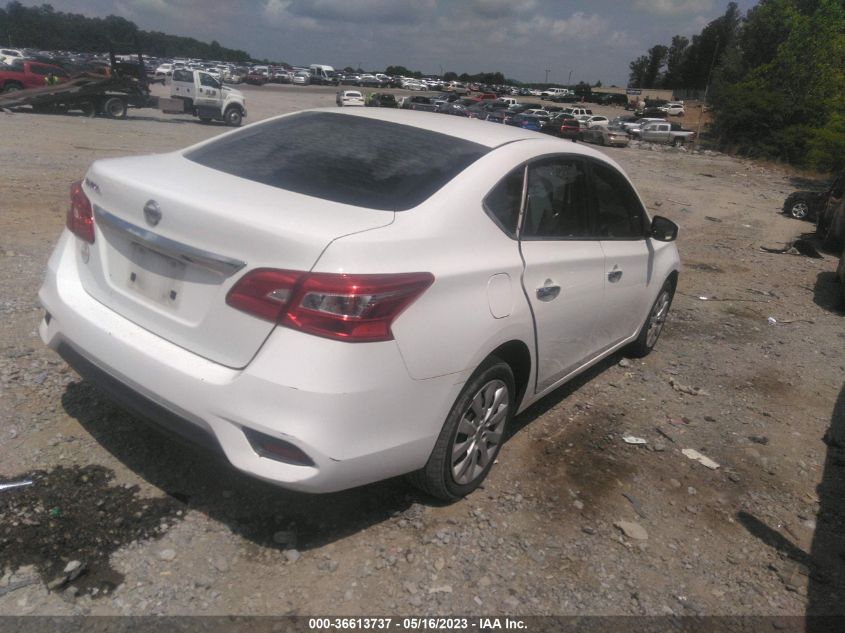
point(808, 205)
point(311, 311)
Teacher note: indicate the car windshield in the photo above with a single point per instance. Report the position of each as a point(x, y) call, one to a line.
point(348, 159)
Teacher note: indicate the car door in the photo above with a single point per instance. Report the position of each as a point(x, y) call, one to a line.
point(621, 228)
point(564, 270)
point(208, 92)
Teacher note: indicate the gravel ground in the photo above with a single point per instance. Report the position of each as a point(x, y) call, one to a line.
point(573, 520)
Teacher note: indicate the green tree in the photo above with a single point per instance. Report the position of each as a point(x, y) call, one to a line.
point(656, 58)
point(639, 68)
point(792, 107)
point(675, 59)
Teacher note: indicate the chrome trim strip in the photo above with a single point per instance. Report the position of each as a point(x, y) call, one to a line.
point(178, 250)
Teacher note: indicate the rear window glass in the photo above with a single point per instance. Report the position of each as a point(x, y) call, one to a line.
point(358, 161)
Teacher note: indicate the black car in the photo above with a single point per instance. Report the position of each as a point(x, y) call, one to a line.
point(809, 205)
point(419, 102)
point(382, 100)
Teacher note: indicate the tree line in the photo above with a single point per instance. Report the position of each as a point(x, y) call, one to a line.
point(45, 28)
point(775, 78)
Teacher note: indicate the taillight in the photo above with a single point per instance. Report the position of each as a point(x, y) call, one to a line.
point(353, 308)
point(80, 217)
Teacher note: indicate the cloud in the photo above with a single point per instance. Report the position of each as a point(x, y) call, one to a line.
point(578, 26)
point(361, 11)
point(673, 7)
point(495, 9)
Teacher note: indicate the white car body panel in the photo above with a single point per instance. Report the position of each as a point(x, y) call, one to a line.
point(363, 411)
point(350, 98)
point(196, 212)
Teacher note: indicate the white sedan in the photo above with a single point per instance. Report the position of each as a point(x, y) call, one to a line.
point(594, 121)
point(330, 311)
point(349, 98)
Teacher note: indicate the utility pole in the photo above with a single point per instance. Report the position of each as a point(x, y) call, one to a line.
point(548, 70)
point(706, 89)
point(569, 80)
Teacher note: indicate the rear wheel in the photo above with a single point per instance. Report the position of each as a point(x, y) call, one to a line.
point(12, 87)
point(677, 141)
point(114, 108)
point(654, 323)
point(88, 109)
point(472, 434)
point(797, 206)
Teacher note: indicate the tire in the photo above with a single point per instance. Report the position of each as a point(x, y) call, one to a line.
point(830, 241)
point(677, 141)
point(88, 109)
point(797, 206)
point(653, 326)
point(451, 474)
point(12, 87)
point(114, 108)
point(233, 117)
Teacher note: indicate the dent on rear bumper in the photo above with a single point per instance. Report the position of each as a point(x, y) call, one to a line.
point(353, 409)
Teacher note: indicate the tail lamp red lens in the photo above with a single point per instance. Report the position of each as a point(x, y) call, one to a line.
point(80, 216)
point(352, 308)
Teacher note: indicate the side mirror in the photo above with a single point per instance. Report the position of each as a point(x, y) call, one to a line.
point(663, 229)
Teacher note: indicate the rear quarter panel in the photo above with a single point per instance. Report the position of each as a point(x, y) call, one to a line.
point(451, 327)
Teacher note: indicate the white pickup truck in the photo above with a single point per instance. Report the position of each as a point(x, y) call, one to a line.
point(198, 93)
point(670, 133)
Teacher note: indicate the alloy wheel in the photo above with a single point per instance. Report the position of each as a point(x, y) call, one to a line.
point(657, 318)
point(479, 432)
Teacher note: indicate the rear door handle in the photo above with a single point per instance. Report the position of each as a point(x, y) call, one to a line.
point(614, 275)
point(548, 291)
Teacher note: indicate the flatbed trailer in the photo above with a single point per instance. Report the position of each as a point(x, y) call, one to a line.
point(88, 93)
point(125, 84)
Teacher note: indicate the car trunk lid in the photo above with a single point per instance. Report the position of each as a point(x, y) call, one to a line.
point(174, 236)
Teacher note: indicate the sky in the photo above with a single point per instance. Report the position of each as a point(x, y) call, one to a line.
point(588, 40)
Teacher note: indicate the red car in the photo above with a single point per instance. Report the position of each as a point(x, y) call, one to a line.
point(256, 79)
point(22, 75)
point(569, 128)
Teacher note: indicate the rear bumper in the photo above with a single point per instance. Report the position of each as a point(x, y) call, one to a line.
point(352, 409)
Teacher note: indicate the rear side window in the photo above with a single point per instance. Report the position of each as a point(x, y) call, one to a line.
point(556, 206)
point(618, 210)
point(503, 202)
point(358, 161)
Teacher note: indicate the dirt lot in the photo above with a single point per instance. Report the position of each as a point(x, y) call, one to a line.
point(159, 528)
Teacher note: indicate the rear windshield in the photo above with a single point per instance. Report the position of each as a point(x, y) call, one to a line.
point(358, 161)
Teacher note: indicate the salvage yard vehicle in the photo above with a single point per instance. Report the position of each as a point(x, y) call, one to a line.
point(21, 75)
point(670, 133)
point(808, 205)
point(192, 92)
point(349, 98)
point(310, 308)
point(675, 108)
point(323, 75)
point(198, 93)
point(382, 100)
point(611, 135)
point(831, 223)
